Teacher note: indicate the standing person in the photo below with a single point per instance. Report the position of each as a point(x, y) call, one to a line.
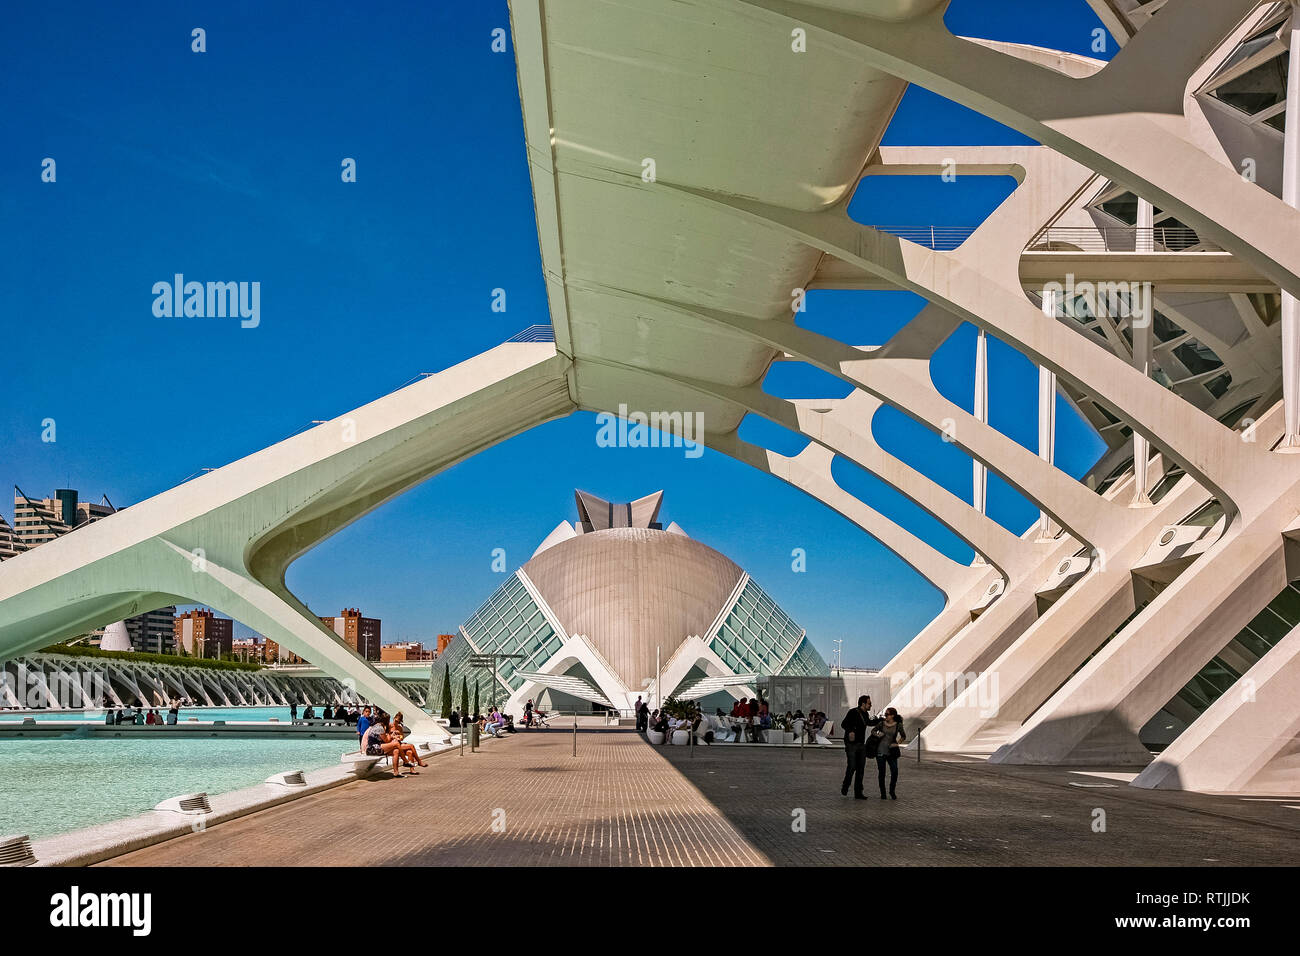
point(891, 734)
point(856, 726)
point(293, 710)
point(363, 722)
point(640, 721)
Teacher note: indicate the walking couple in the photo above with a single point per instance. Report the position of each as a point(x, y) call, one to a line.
point(871, 735)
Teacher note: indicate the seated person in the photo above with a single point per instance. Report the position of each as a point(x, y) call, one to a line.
point(327, 713)
point(454, 719)
point(377, 742)
point(494, 723)
point(701, 728)
point(397, 731)
point(309, 713)
point(173, 715)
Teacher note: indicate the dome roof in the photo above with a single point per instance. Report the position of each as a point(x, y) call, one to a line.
point(632, 590)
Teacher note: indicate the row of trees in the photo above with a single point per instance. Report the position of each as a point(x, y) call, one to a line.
point(464, 694)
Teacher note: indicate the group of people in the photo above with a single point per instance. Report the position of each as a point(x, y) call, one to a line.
point(868, 734)
point(749, 718)
point(496, 721)
point(345, 712)
point(662, 722)
point(140, 716)
point(384, 737)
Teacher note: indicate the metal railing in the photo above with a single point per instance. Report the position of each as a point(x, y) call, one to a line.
point(939, 238)
point(534, 333)
point(1119, 239)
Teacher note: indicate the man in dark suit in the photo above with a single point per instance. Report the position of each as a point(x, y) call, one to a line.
point(856, 726)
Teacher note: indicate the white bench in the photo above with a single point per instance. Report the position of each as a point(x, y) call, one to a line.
point(363, 764)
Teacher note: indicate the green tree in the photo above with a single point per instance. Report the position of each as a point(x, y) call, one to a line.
point(464, 697)
point(446, 692)
point(476, 695)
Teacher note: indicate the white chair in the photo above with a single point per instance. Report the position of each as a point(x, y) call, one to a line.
point(654, 736)
point(824, 735)
point(681, 737)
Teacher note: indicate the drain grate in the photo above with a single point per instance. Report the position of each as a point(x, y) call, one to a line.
point(16, 851)
point(187, 803)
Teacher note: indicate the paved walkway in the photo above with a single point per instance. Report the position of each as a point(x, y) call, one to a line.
point(527, 801)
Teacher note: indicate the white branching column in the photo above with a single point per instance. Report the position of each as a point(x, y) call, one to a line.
point(1047, 410)
point(1141, 317)
point(981, 412)
point(1291, 196)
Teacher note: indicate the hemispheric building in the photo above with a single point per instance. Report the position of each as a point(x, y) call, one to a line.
point(616, 606)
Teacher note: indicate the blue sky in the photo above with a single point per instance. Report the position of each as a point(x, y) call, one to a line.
point(225, 165)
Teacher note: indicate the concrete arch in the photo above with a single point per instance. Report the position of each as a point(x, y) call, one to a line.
point(964, 284)
point(1115, 120)
point(837, 430)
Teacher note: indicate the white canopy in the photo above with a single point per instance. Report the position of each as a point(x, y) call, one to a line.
point(710, 685)
point(568, 684)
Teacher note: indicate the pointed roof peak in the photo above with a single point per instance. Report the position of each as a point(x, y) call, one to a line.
point(597, 514)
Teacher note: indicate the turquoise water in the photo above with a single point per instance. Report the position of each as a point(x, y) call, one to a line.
point(52, 786)
point(199, 713)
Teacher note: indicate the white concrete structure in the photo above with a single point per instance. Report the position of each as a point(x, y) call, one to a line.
point(692, 166)
point(616, 607)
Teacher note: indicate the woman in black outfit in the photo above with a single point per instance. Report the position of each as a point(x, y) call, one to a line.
point(889, 732)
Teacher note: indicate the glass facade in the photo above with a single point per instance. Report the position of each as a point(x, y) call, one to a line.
point(757, 637)
point(509, 622)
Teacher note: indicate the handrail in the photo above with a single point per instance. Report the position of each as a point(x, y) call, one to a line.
point(1156, 239)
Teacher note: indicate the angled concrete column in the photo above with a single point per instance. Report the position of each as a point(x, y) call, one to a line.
point(1096, 716)
point(1027, 673)
point(1247, 741)
point(227, 538)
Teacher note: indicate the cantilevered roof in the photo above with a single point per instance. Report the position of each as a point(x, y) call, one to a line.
point(622, 95)
point(694, 690)
point(568, 684)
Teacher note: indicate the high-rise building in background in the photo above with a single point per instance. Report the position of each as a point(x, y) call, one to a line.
point(153, 632)
point(202, 634)
point(10, 545)
point(361, 633)
point(444, 640)
point(39, 520)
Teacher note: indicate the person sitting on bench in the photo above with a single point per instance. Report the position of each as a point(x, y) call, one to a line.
point(373, 744)
point(397, 732)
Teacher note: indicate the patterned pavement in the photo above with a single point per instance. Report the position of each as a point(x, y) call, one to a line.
point(527, 801)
